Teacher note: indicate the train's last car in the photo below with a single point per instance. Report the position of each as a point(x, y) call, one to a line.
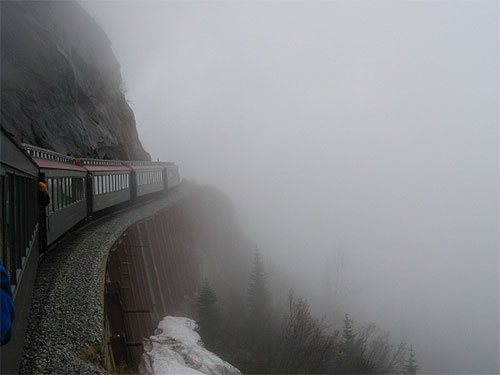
point(66, 187)
point(147, 177)
point(172, 172)
point(109, 183)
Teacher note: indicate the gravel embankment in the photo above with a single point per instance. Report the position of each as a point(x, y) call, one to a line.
point(66, 319)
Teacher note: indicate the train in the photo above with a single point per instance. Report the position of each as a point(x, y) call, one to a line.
point(82, 187)
point(79, 190)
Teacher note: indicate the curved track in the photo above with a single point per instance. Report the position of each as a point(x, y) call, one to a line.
point(66, 319)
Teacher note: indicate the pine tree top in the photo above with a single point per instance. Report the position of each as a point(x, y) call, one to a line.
point(410, 366)
point(348, 332)
point(258, 293)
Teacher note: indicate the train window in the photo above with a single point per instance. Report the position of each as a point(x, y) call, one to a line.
point(73, 190)
point(54, 196)
point(69, 187)
point(59, 193)
point(65, 190)
point(63, 193)
point(69, 182)
point(49, 190)
point(66, 187)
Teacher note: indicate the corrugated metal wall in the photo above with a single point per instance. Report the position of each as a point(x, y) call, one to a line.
point(149, 271)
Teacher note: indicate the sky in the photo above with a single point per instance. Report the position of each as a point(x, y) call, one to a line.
point(359, 137)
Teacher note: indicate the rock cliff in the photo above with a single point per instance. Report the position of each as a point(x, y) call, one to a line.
point(61, 83)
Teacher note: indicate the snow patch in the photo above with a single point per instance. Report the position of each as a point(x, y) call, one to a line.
point(177, 349)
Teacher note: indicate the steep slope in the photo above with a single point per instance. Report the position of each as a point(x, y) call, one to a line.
point(60, 82)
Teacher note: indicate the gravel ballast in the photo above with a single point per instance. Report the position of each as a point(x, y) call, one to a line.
point(65, 327)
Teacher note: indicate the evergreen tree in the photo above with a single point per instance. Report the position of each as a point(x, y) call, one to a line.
point(351, 357)
point(259, 299)
point(260, 326)
point(410, 366)
point(301, 347)
point(208, 316)
point(348, 332)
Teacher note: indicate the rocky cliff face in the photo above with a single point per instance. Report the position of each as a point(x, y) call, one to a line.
point(61, 83)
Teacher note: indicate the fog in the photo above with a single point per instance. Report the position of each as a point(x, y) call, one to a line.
point(355, 139)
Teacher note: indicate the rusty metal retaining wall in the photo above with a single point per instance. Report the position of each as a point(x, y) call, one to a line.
point(149, 271)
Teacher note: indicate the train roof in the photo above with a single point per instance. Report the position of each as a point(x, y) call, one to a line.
point(13, 155)
point(48, 159)
point(142, 165)
point(98, 165)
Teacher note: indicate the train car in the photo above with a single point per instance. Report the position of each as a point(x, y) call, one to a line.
point(108, 183)
point(172, 172)
point(19, 227)
point(66, 183)
point(148, 177)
